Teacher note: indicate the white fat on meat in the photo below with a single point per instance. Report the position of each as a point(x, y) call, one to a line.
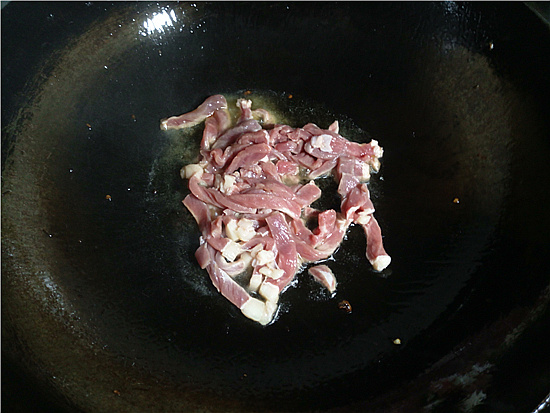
point(334, 127)
point(231, 250)
point(258, 310)
point(246, 259)
point(192, 169)
point(378, 151)
point(240, 230)
point(323, 142)
point(257, 248)
point(274, 273)
point(269, 291)
point(380, 262)
point(264, 257)
point(365, 172)
point(363, 217)
point(231, 230)
point(255, 281)
point(245, 229)
point(228, 183)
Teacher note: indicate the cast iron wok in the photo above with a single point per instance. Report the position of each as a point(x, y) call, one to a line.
point(103, 305)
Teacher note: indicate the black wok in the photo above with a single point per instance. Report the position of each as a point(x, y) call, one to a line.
point(103, 305)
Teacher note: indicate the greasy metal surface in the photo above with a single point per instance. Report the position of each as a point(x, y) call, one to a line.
point(102, 301)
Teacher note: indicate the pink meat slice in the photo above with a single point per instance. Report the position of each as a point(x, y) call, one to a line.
point(203, 255)
point(231, 268)
point(248, 156)
point(227, 286)
point(266, 201)
point(198, 209)
point(323, 275)
point(287, 258)
point(285, 167)
point(206, 109)
point(233, 134)
point(357, 200)
point(308, 193)
point(212, 196)
point(245, 105)
point(376, 254)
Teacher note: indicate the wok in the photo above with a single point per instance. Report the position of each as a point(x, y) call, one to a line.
point(103, 305)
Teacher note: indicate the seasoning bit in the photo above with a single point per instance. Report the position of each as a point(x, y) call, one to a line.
point(456, 201)
point(116, 392)
point(344, 305)
point(108, 197)
point(89, 126)
point(133, 117)
point(290, 96)
point(397, 341)
point(248, 92)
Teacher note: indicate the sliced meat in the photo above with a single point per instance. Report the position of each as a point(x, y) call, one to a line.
point(376, 253)
point(323, 275)
point(248, 156)
point(203, 255)
point(233, 134)
point(357, 199)
point(252, 205)
point(308, 193)
point(287, 258)
point(198, 209)
point(206, 109)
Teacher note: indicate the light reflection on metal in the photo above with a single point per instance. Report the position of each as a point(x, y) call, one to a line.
point(159, 22)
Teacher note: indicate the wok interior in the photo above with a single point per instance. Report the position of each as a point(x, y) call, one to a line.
point(115, 279)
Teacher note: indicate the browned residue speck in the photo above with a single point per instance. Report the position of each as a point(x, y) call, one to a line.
point(345, 306)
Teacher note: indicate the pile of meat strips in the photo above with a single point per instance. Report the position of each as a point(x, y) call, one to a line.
point(251, 193)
